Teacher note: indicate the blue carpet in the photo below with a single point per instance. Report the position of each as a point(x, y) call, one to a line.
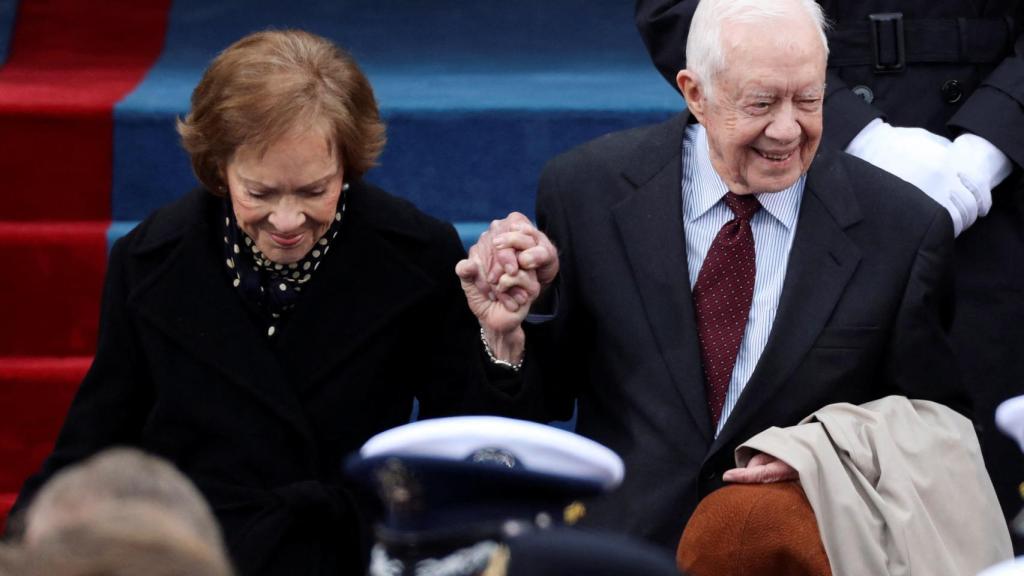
point(468, 231)
point(477, 95)
point(8, 11)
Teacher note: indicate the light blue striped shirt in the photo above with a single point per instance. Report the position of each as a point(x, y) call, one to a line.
point(704, 213)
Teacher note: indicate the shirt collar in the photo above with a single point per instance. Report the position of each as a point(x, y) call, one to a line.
point(703, 187)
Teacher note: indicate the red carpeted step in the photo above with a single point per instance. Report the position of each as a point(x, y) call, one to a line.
point(51, 293)
point(69, 63)
point(6, 502)
point(35, 393)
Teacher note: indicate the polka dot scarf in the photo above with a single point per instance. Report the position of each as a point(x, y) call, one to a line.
point(272, 288)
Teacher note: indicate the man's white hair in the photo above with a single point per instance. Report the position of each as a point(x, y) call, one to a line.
point(705, 50)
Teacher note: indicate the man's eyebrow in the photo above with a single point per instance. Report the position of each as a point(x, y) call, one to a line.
point(813, 91)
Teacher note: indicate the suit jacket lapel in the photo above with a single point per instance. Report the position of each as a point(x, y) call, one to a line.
point(821, 262)
point(191, 301)
point(650, 220)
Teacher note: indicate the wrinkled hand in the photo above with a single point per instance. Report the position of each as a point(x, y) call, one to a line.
point(762, 469)
point(922, 159)
point(519, 245)
point(505, 272)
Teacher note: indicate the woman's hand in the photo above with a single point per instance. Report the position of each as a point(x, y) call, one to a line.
point(503, 275)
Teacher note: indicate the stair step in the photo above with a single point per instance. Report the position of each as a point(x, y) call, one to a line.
point(52, 299)
point(7, 11)
point(6, 502)
point(477, 95)
point(37, 392)
point(471, 165)
point(69, 63)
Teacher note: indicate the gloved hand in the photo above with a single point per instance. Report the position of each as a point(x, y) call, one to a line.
point(922, 159)
point(980, 166)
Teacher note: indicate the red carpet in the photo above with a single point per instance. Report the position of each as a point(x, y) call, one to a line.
point(53, 301)
point(37, 393)
point(69, 63)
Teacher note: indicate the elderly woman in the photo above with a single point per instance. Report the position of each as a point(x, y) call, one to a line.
point(256, 331)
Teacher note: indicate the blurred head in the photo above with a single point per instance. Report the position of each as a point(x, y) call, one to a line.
point(13, 561)
point(755, 80)
point(118, 476)
point(125, 539)
point(279, 121)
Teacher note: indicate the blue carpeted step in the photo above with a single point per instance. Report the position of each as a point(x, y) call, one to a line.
point(8, 9)
point(468, 231)
point(477, 95)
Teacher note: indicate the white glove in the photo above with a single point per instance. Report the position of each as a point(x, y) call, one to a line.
point(922, 159)
point(980, 166)
point(1010, 419)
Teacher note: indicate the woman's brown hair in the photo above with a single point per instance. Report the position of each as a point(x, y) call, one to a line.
point(269, 83)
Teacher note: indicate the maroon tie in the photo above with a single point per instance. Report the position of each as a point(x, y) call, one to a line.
point(722, 297)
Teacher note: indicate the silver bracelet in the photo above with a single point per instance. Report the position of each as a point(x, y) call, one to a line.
point(498, 361)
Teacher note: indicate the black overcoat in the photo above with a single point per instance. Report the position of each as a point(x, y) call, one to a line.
point(964, 71)
point(183, 370)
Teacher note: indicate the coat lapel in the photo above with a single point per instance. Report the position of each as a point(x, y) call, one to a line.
point(366, 283)
point(821, 262)
point(650, 221)
point(192, 303)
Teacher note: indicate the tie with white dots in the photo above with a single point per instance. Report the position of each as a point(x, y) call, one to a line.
point(722, 297)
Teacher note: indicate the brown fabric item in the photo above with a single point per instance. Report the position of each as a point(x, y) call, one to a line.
point(764, 529)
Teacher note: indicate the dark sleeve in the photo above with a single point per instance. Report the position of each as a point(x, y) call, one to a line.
point(920, 361)
point(845, 114)
point(664, 26)
point(463, 380)
point(995, 111)
point(555, 359)
point(114, 398)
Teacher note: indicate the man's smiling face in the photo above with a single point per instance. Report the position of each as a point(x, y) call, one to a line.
point(764, 118)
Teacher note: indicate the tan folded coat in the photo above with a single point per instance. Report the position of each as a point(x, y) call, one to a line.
point(898, 487)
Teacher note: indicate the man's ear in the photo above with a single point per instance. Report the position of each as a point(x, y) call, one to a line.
point(690, 88)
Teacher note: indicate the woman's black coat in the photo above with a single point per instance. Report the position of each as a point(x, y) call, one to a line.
point(185, 371)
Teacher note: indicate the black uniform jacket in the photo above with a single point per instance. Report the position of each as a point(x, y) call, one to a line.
point(184, 370)
point(863, 314)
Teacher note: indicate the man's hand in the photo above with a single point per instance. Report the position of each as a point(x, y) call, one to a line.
point(923, 159)
point(762, 469)
point(519, 245)
point(502, 276)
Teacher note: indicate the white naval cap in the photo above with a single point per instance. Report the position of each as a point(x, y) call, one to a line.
point(1010, 419)
point(518, 444)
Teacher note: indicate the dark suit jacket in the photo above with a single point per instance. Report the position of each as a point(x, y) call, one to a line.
point(863, 313)
point(988, 330)
point(182, 370)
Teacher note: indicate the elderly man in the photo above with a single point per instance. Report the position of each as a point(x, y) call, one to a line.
point(933, 92)
point(719, 277)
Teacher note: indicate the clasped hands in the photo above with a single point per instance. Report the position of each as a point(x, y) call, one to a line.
point(958, 174)
point(503, 275)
